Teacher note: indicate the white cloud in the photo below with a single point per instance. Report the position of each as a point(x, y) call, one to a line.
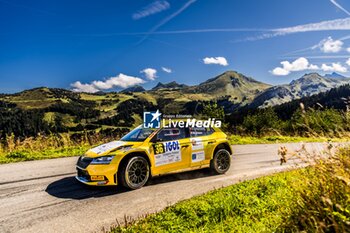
point(302, 64)
point(167, 19)
point(278, 71)
point(340, 7)
point(348, 62)
point(215, 60)
point(313, 67)
point(151, 9)
point(334, 67)
point(328, 25)
point(330, 46)
point(80, 87)
point(336, 24)
point(299, 64)
point(150, 73)
point(321, 57)
point(167, 70)
point(121, 80)
point(319, 45)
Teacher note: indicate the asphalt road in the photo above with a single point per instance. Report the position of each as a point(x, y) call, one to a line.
point(43, 196)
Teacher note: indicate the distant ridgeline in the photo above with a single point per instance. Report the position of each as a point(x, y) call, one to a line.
point(51, 110)
point(335, 98)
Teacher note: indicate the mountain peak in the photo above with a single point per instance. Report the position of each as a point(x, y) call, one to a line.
point(334, 75)
point(237, 86)
point(233, 77)
point(170, 85)
point(136, 88)
point(230, 72)
point(311, 75)
point(307, 78)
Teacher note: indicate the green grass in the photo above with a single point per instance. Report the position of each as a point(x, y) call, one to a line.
point(312, 199)
point(258, 205)
point(27, 155)
point(238, 140)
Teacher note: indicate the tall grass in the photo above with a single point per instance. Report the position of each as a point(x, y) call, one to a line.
point(324, 204)
point(13, 149)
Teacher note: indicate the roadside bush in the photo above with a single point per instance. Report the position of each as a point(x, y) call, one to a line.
point(319, 122)
point(262, 123)
point(17, 155)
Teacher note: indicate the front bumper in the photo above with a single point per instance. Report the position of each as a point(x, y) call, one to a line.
point(97, 175)
point(91, 183)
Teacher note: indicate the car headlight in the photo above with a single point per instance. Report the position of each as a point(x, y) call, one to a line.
point(102, 160)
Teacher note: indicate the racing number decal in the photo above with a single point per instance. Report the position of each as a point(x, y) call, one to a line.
point(167, 152)
point(158, 148)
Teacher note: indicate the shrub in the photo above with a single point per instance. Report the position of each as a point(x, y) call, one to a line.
point(262, 122)
point(17, 155)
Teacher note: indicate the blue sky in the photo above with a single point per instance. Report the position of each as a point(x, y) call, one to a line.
point(109, 45)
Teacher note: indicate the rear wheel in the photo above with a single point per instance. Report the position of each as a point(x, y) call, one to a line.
point(134, 173)
point(221, 161)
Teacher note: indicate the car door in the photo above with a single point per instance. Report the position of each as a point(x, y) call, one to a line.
point(171, 150)
point(201, 145)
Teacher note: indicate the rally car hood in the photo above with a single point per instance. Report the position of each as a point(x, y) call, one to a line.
point(109, 147)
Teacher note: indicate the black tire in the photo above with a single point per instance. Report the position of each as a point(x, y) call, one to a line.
point(221, 161)
point(134, 173)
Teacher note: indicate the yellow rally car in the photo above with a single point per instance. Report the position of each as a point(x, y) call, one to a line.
point(146, 152)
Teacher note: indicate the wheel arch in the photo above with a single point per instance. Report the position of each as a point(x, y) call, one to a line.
point(123, 162)
point(223, 145)
point(132, 154)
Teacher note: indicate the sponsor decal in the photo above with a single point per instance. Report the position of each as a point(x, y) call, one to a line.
point(197, 144)
point(106, 147)
point(151, 119)
point(198, 156)
point(167, 152)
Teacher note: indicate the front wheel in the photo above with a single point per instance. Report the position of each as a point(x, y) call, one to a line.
point(134, 173)
point(221, 161)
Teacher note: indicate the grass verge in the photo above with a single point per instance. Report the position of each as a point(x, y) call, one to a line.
point(252, 206)
point(27, 155)
point(240, 140)
point(313, 199)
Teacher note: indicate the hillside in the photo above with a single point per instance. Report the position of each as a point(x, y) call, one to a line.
point(58, 110)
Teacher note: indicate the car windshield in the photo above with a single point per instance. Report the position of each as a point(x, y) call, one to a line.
point(137, 135)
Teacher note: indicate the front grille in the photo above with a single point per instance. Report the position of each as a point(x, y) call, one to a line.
point(83, 162)
point(83, 174)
